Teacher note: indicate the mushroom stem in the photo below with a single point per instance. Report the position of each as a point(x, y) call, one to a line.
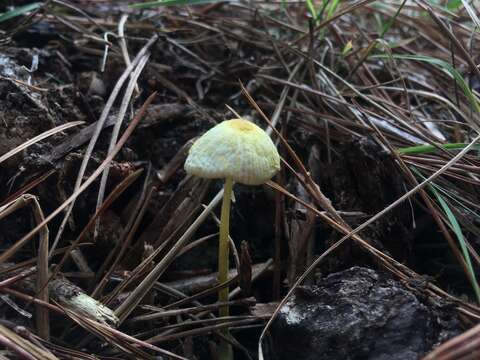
point(225, 350)
point(223, 251)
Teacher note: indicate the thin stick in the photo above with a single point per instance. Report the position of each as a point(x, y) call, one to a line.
point(147, 283)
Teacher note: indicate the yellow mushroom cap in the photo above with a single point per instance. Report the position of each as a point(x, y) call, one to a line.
point(236, 149)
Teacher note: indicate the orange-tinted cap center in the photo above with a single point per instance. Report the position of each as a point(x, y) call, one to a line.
point(242, 125)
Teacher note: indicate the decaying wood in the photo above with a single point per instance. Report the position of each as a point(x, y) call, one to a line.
point(70, 296)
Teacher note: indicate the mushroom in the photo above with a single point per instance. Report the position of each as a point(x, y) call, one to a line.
point(238, 151)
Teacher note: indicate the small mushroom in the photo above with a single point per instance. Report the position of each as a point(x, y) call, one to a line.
point(234, 149)
point(238, 151)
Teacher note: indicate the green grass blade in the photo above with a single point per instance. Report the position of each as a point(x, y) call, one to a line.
point(390, 21)
point(157, 3)
point(21, 10)
point(454, 4)
point(445, 66)
point(323, 8)
point(455, 226)
point(453, 198)
point(425, 149)
point(311, 9)
point(331, 9)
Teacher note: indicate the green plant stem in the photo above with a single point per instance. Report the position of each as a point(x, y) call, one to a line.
point(224, 248)
point(425, 149)
point(225, 349)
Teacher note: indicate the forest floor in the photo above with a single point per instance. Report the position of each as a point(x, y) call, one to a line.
point(365, 244)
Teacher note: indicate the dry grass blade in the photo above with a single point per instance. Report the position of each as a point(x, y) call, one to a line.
point(358, 229)
point(17, 277)
point(98, 129)
point(41, 313)
point(119, 189)
point(125, 239)
point(467, 343)
point(124, 341)
point(436, 214)
point(28, 187)
point(459, 46)
point(7, 254)
point(23, 348)
point(116, 128)
point(103, 330)
point(201, 331)
point(38, 138)
point(162, 313)
point(310, 185)
point(105, 334)
point(374, 108)
point(140, 291)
